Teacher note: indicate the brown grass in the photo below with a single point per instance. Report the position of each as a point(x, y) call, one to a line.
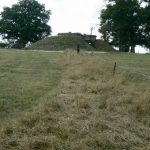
point(91, 110)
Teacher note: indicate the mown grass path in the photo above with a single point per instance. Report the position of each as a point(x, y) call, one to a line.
point(26, 78)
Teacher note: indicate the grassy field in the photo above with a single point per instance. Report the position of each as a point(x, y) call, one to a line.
point(131, 62)
point(25, 77)
point(91, 109)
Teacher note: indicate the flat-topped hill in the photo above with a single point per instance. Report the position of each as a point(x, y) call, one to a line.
point(69, 41)
point(60, 43)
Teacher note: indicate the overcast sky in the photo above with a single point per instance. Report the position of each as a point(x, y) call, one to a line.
point(70, 15)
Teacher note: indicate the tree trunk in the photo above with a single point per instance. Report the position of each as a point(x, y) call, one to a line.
point(123, 48)
point(132, 48)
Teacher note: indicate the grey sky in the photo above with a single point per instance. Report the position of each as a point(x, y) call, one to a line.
point(70, 15)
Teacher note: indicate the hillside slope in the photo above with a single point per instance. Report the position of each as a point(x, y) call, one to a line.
point(60, 42)
point(101, 45)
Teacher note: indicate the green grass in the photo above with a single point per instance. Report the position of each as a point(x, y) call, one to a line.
point(91, 109)
point(132, 62)
point(69, 42)
point(101, 45)
point(26, 77)
point(60, 43)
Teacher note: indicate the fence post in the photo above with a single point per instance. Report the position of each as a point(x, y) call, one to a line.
point(78, 48)
point(115, 65)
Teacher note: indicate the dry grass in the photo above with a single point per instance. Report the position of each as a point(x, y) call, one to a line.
point(91, 110)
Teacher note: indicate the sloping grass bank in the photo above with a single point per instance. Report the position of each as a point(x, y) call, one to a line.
point(91, 109)
point(60, 42)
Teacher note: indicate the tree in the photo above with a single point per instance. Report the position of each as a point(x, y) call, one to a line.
point(148, 1)
point(145, 19)
point(24, 22)
point(120, 24)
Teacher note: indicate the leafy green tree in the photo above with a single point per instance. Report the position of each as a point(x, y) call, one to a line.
point(145, 28)
point(148, 1)
point(24, 22)
point(120, 24)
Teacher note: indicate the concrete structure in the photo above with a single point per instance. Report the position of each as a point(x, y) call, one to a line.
point(89, 38)
point(86, 37)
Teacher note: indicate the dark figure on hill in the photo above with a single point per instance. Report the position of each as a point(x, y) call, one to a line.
point(78, 48)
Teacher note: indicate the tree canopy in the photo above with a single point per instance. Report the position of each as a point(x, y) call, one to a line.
point(24, 22)
point(145, 17)
point(124, 23)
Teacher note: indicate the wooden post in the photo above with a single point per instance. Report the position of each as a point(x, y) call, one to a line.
point(115, 65)
point(78, 48)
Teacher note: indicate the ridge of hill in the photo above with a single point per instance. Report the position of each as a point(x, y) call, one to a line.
point(69, 42)
point(60, 42)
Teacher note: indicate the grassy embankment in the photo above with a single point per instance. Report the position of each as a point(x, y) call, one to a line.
point(60, 43)
point(69, 42)
point(90, 109)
